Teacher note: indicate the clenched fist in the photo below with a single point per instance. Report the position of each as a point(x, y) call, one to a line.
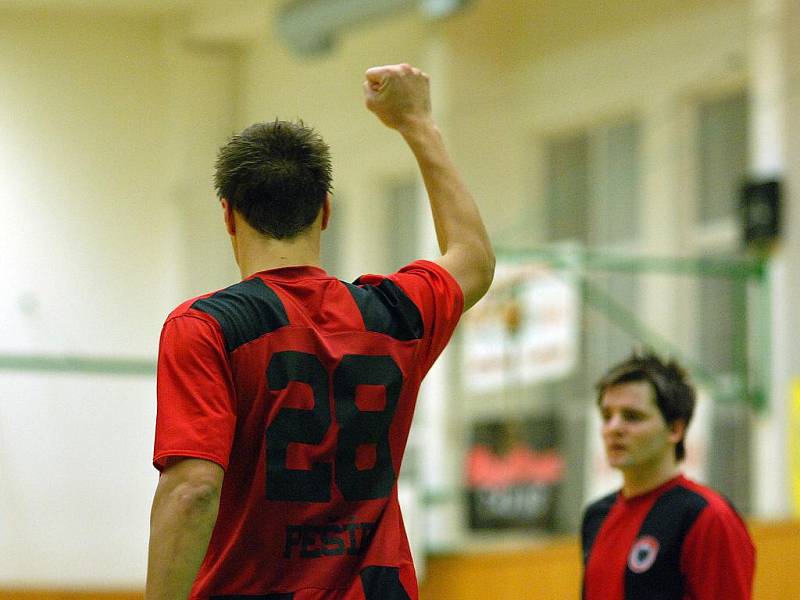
point(399, 95)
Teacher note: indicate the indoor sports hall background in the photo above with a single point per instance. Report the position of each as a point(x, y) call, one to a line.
point(638, 165)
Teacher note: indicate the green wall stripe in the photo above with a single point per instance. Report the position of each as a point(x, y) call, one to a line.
point(598, 261)
point(43, 363)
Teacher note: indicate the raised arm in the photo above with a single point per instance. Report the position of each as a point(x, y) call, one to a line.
point(399, 95)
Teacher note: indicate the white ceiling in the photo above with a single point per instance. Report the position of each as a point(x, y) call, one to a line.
point(223, 21)
point(549, 24)
point(144, 7)
point(603, 10)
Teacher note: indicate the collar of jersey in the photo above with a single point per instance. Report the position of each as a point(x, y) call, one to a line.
point(292, 273)
point(655, 491)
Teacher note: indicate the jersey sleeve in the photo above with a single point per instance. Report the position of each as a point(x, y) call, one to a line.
point(439, 299)
point(718, 557)
point(196, 415)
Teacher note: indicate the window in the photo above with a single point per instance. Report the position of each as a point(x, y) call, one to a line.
point(402, 206)
point(592, 199)
point(331, 240)
point(593, 194)
point(722, 156)
point(568, 191)
point(722, 146)
point(721, 320)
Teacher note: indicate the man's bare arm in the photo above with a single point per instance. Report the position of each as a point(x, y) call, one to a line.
point(181, 521)
point(399, 96)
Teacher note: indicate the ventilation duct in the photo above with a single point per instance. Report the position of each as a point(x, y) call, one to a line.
point(311, 27)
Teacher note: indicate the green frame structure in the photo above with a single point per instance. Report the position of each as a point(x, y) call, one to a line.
point(751, 356)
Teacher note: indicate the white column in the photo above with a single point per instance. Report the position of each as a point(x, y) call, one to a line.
point(661, 184)
point(791, 221)
point(438, 411)
point(770, 66)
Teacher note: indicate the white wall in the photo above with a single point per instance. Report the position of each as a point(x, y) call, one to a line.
point(80, 117)
point(108, 129)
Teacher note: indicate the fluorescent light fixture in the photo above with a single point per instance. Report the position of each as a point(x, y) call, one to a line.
point(310, 27)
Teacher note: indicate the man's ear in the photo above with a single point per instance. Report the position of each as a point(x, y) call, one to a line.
point(327, 207)
point(677, 430)
point(230, 222)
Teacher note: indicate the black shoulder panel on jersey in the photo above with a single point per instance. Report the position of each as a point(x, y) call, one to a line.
point(245, 311)
point(383, 583)
point(593, 518)
point(669, 521)
point(387, 309)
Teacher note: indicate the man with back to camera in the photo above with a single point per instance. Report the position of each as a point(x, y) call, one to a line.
point(662, 536)
point(285, 401)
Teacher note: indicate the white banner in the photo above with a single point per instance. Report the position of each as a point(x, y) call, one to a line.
point(524, 330)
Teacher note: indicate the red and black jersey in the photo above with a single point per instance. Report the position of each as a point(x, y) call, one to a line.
point(303, 388)
point(680, 541)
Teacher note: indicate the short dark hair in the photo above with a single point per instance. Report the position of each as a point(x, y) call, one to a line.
point(674, 394)
point(276, 175)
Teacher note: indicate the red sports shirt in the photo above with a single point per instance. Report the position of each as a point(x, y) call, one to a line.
point(680, 541)
point(303, 388)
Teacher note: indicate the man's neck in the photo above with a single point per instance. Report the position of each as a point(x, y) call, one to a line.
point(255, 253)
point(644, 479)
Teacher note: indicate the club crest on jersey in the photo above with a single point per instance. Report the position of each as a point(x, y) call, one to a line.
point(643, 554)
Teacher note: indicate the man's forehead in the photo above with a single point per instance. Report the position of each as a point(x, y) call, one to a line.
point(639, 393)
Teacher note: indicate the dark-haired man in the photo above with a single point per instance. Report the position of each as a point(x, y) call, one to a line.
point(662, 536)
point(285, 401)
